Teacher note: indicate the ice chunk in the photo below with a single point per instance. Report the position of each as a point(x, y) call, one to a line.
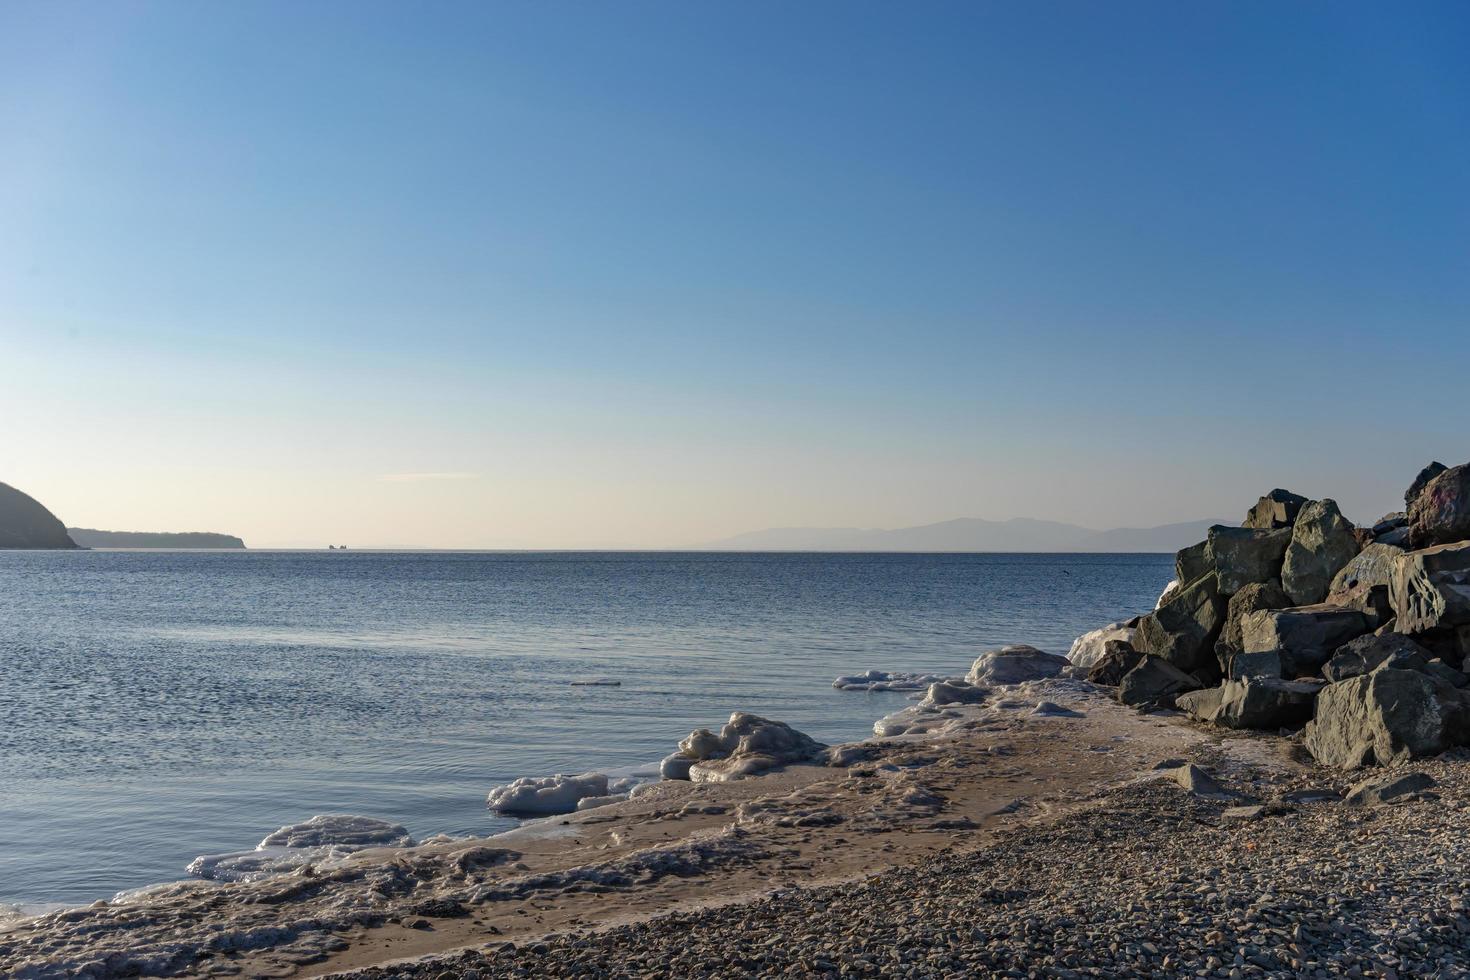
point(324, 839)
point(263, 862)
point(340, 828)
point(528, 796)
point(883, 680)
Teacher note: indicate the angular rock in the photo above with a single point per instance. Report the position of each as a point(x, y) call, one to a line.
point(1390, 522)
point(1440, 514)
point(1395, 789)
point(1014, 664)
point(1430, 588)
point(1367, 653)
point(1243, 814)
point(1386, 717)
point(1370, 600)
point(1242, 556)
point(1373, 565)
point(1305, 637)
point(1183, 630)
point(1192, 562)
point(1154, 681)
point(1262, 663)
point(1428, 473)
point(1201, 705)
point(1197, 781)
point(1265, 703)
point(1089, 648)
point(1438, 668)
point(1322, 542)
point(1117, 660)
point(746, 746)
point(1279, 508)
point(1252, 598)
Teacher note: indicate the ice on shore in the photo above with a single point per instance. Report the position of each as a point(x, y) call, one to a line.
point(883, 680)
point(323, 840)
point(1088, 648)
point(746, 746)
point(551, 795)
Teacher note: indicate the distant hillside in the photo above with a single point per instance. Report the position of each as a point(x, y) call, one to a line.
point(972, 534)
point(90, 538)
point(25, 523)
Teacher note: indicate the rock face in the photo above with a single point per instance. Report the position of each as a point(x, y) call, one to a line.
point(1386, 717)
point(1252, 598)
point(1322, 542)
point(1253, 702)
point(1430, 588)
point(1014, 664)
point(1373, 566)
point(1367, 653)
point(1440, 513)
point(1184, 629)
point(1154, 681)
point(1089, 648)
point(1279, 508)
point(746, 746)
point(1243, 556)
point(1304, 637)
point(24, 523)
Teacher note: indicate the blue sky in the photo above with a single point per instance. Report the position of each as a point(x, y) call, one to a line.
point(650, 274)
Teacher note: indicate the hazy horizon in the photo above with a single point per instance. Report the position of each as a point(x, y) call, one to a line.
point(505, 276)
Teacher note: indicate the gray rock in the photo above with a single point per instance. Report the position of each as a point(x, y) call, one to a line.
point(1438, 668)
point(1154, 681)
point(1430, 588)
point(1370, 600)
point(1322, 542)
point(1243, 814)
point(1197, 781)
point(1252, 598)
point(1440, 514)
point(1386, 717)
point(1014, 664)
point(1254, 702)
point(1184, 629)
point(1367, 653)
point(1390, 522)
point(1395, 789)
point(1192, 562)
point(1311, 796)
point(1117, 660)
point(1262, 663)
point(1304, 636)
point(1428, 473)
point(1242, 556)
point(1279, 508)
point(1372, 566)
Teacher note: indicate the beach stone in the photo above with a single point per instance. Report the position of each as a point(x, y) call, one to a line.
point(1089, 648)
point(1429, 472)
point(1117, 660)
point(1183, 630)
point(1322, 542)
point(1430, 588)
point(1304, 636)
point(1386, 717)
point(1192, 562)
point(747, 745)
point(1394, 789)
point(1440, 512)
point(1279, 508)
point(1196, 781)
point(1242, 556)
point(1154, 681)
point(1014, 664)
point(1367, 653)
point(1243, 814)
point(1251, 598)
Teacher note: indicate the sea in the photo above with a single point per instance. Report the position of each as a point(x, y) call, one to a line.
point(159, 705)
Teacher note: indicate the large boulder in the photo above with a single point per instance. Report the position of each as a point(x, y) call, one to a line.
point(1184, 629)
point(1372, 566)
point(1279, 508)
point(1014, 664)
point(1322, 542)
point(1367, 653)
point(1430, 588)
point(1434, 469)
point(1304, 637)
point(746, 746)
point(1117, 660)
point(1242, 556)
point(1386, 717)
point(1089, 648)
point(1154, 681)
point(1252, 598)
point(1440, 514)
point(24, 523)
point(1253, 702)
point(1192, 562)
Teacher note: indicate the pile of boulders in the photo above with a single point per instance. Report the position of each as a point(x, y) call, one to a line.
point(1298, 619)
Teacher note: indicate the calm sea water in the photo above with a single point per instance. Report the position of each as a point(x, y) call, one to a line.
point(159, 705)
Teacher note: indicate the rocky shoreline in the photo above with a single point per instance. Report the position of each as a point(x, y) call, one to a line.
point(1242, 782)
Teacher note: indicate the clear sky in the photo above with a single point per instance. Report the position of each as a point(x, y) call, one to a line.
point(627, 274)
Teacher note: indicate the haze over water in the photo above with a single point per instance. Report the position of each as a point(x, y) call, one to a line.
point(158, 706)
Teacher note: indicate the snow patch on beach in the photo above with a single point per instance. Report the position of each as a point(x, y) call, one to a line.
point(883, 680)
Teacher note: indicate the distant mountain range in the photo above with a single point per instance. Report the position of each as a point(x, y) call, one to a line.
point(972, 534)
point(90, 538)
